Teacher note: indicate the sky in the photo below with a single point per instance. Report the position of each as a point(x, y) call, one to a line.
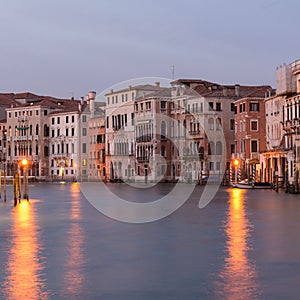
point(65, 48)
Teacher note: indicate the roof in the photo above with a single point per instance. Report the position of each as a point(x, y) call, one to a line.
point(162, 92)
point(211, 89)
point(7, 100)
point(141, 87)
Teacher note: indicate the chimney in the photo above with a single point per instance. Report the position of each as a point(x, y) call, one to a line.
point(157, 83)
point(79, 106)
point(82, 100)
point(130, 87)
point(224, 91)
point(92, 95)
point(237, 90)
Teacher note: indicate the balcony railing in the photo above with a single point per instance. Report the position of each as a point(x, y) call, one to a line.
point(142, 159)
point(254, 155)
point(144, 138)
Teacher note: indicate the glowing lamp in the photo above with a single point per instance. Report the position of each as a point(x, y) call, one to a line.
point(24, 162)
point(236, 162)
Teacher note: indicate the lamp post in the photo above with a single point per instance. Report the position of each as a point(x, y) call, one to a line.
point(236, 164)
point(24, 163)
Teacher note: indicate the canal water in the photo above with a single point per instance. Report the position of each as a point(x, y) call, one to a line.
point(244, 245)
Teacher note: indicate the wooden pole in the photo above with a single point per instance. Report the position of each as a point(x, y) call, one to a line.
point(26, 194)
point(15, 189)
point(4, 183)
point(0, 183)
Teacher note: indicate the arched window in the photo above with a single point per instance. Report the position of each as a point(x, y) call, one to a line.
point(163, 129)
point(163, 151)
point(211, 148)
point(218, 124)
point(219, 148)
point(211, 124)
point(184, 128)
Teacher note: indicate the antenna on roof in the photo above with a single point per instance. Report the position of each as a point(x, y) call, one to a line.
point(173, 72)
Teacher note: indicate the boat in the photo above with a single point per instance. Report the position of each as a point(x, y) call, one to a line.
point(245, 184)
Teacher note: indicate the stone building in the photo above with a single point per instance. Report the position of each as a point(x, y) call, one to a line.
point(120, 131)
point(96, 148)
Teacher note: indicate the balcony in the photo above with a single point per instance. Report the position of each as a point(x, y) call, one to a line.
point(142, 159)
point(254, 155)
point(144, 138)
point(22, 138)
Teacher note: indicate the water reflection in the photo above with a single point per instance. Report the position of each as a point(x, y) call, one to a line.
point(74, 278)
point(24, 268)
point(238, 277)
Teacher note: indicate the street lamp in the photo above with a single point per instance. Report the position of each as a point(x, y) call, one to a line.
point(236, 164)
point(24, 164)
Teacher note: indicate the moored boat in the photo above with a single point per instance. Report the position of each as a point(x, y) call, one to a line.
point(252, 185)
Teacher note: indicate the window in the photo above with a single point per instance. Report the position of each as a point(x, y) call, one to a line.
point(84, 118)
point(67, 131)
point(241, 108)
point(132, 119)
point(211, 166)
point(232, 106)
point(9, 115)
point(36, 112)
point(232, 148)
point(108, 100)
point(254, 125)
point(211, 124)
point(83, 131)
point(218, 124)
point(107, 122)
point(83, 147)
point(232, 123)
point(67, 119)
point(53, 121)
point(163, 129)
point(73, 119)
point(254, 146)
point(45, 112)
point(122, 97)
point(219, 148)
point(210, 106)
point(163, 105)
point(218, 106)
point(254, 106)
point(72, 131)
point(37, 129)
point(58, 132)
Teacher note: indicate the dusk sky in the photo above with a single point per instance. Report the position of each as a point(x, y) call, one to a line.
point(65, 48)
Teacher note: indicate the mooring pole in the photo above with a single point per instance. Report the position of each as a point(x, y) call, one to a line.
point(25, 175)
point(15, 189)
point(19, 186)
point(0, 183)
point(4, 185)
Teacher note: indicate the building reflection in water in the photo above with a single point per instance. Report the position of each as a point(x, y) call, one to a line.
point(25, 268)
point(238, 277)
point(74, 280)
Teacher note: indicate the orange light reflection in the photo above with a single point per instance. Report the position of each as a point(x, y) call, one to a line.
point(74, 278)
point(239, 277)
point(24, 265)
